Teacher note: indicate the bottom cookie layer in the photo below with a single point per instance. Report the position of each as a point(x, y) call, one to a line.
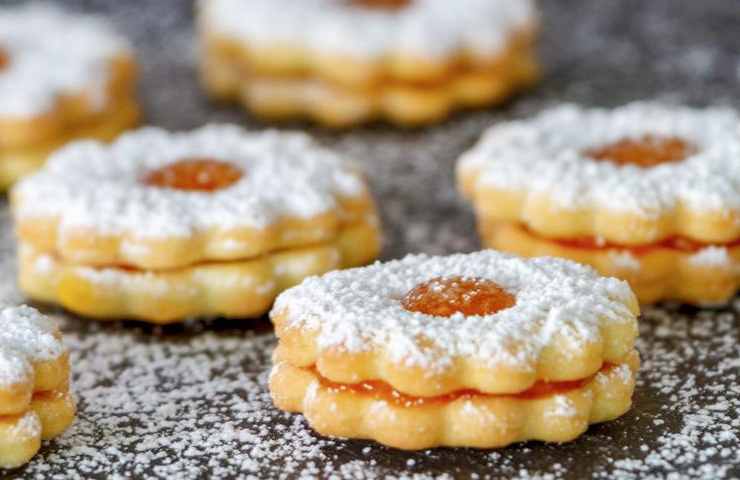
point(16, 163)
point(51, 413)
point(231, 289)
point(709, 276)
point(467, 419)
point(281, 98)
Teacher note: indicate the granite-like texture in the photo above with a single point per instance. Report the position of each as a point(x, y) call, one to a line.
point(185, 402)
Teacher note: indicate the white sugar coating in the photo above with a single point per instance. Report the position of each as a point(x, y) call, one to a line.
point(624, 259)
point(562, 407)
point(53, 53)
point(545, 154)
point(14, 368)
point(424, 28)
point(99, 187)
point(711, 256)
point(360, 309)
point(29, 426)
point(26, 337)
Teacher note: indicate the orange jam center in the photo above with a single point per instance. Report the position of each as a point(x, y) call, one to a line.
point(194, 174)
point(379, 390)
point(381, 4)
point(4, 59)
point(445, 296)
point(648, 151)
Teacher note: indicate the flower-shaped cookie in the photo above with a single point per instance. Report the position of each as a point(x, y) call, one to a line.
point(342, 62)
point(646, 192)
point(160, 226)
point(62, 77)
point(35, 403)
point(481, 349)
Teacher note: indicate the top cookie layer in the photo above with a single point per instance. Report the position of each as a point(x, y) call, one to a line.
point(545, 161)
point(428, 29)
point(52, 54)
point(287, 189)
point(26, 337)
point(562, 311)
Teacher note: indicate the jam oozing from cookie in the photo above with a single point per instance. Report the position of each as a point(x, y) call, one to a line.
point(382, 4)
point(680, 244)
point(647, 151)
point(446, 296)
point(4, 59)
point(382, 391)
point(195, 174)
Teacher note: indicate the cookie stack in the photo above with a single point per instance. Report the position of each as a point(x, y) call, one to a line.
point(35, 403)
point(477, 350)
point(62, 77)
point(215, 222)
point(645, 192)
point(342, 62)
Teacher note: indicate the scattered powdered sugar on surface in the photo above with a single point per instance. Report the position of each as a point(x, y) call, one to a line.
point(552, 144)
point(180, 402)
point(425, 28)
point(359, 309)
point(192, 404)
point(26, 337)
point(88, 184)
point(691, 368)
point(711, 256)
point(52, 53)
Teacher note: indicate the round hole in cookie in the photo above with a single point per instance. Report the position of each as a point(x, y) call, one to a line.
point(446, 296)
point(646, 151)
point(381, 4)
point(199, 174)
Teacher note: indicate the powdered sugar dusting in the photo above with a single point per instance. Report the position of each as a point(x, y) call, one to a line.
point(562, 407)
point(26, 337)
point(166, 403)
point(52, 53)
point(359, 309)
point(552, 144)
point(691, 430)
point(225, 424)
point(27, 427)
point(624, 259)
point(425, 28)
point(712, 256)
point(91, 185)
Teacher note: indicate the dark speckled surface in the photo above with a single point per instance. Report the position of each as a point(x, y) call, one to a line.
point(190, 402)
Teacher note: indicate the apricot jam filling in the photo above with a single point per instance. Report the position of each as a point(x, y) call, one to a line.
point(677, 243)
point(194, 174)
point(646, 151)
point(381, 4)
point(446, 296)
point(379, 390)
point(4, 59)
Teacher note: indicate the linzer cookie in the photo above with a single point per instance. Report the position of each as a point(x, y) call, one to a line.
point(161, 226)
point(477, 350)
point(649, 193)
point(62, 77)
point(344, 62)
point(35, 403)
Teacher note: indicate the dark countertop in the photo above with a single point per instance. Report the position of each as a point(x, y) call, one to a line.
point(190, 401)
